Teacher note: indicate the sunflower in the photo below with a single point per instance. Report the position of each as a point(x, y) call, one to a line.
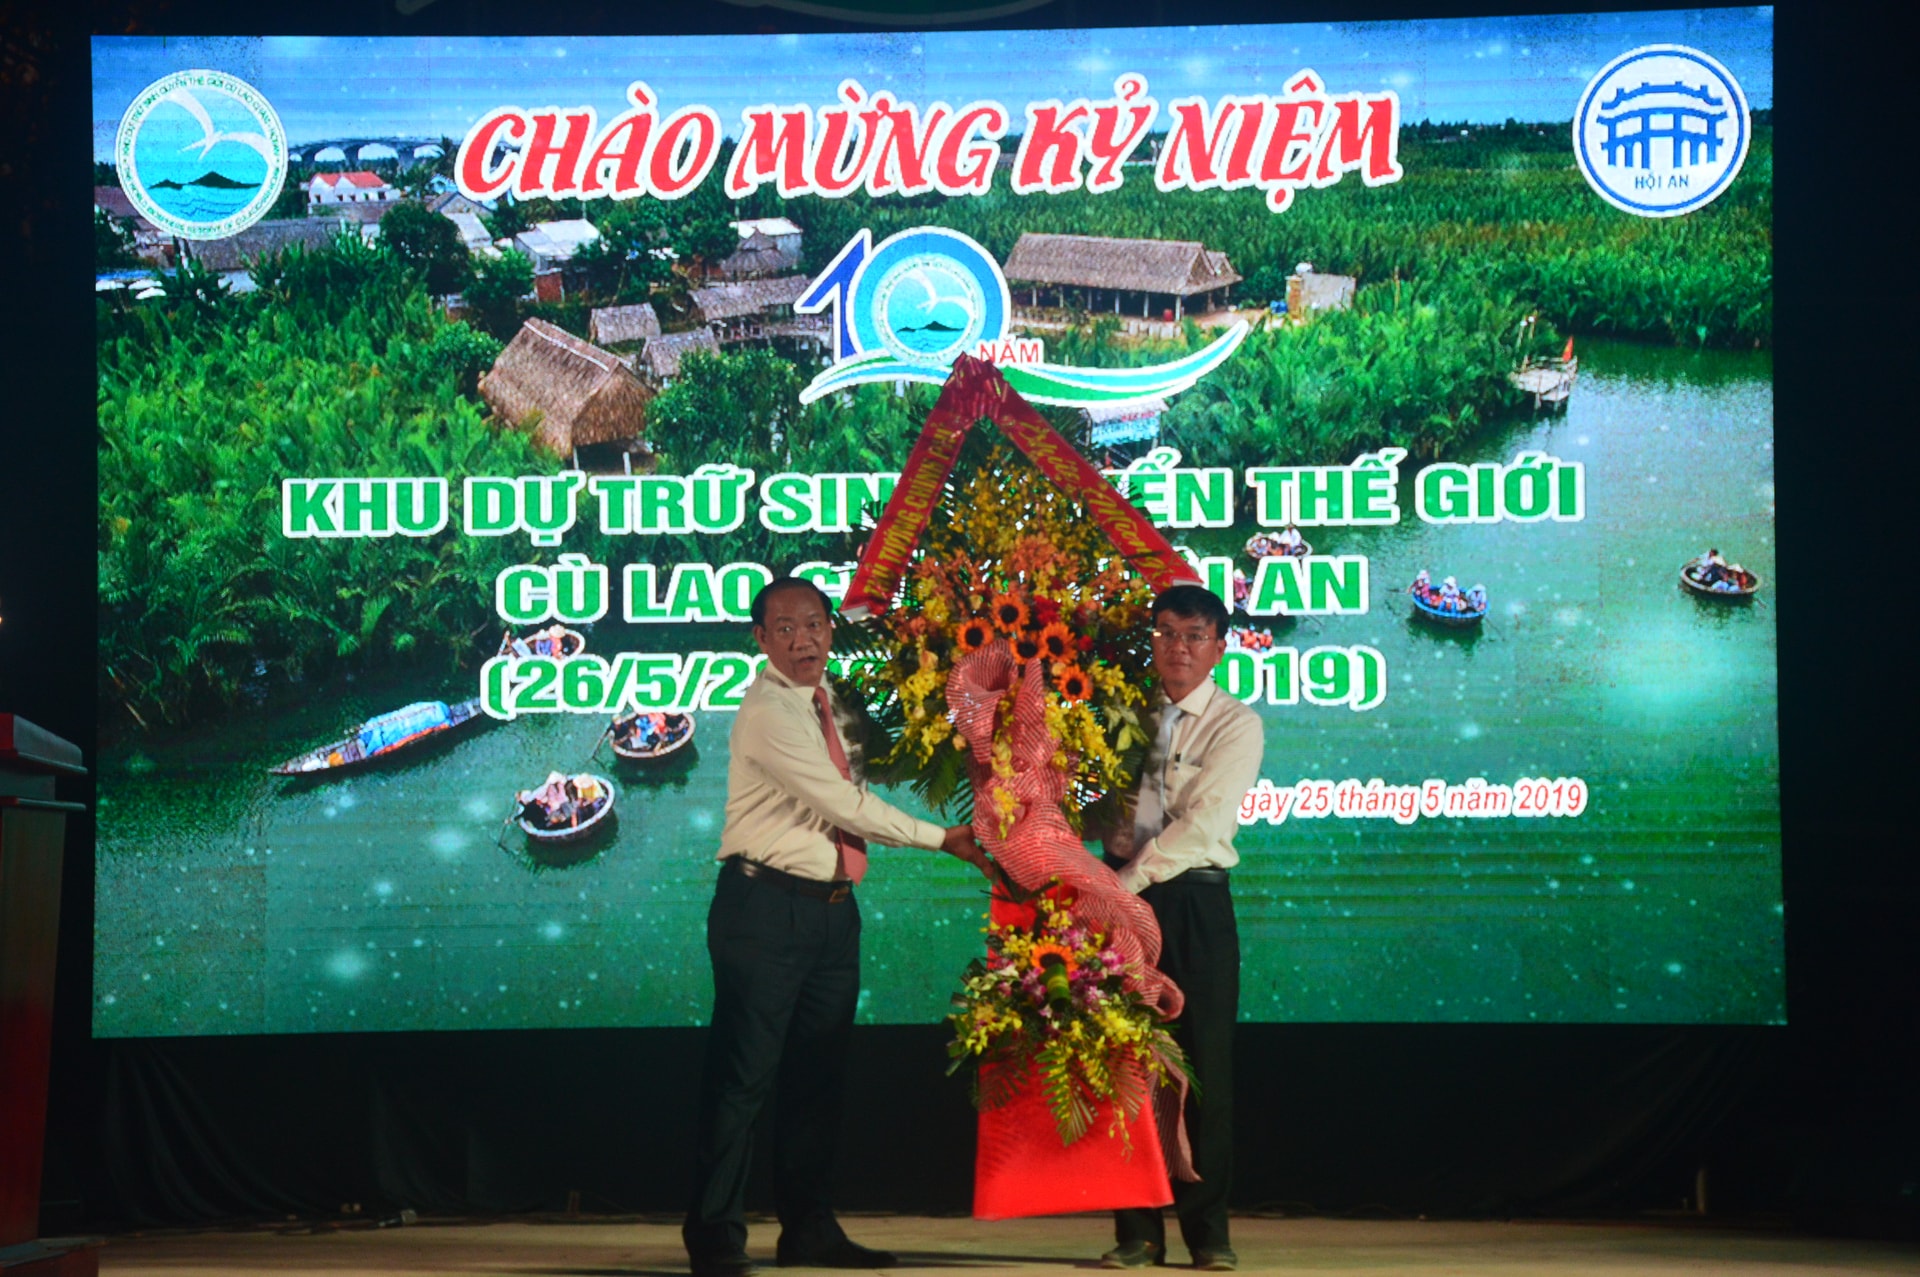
point(1009, 613)
point(1072, 681)
point(1040, 952)
point(974, 633)
point(1057, 642)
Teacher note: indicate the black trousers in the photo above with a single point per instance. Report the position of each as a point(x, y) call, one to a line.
point(1200, 950)
point(786, 979)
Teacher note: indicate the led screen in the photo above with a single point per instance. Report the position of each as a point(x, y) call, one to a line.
point(410, 349)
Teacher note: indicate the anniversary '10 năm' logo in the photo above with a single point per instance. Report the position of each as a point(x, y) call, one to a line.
point(908, 308)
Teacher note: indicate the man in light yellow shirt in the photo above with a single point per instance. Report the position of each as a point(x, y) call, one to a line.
point(784, 936)
point(1204, 758)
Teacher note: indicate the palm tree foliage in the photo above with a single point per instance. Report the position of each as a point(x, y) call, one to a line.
point(337, 366)
point(1505, 207)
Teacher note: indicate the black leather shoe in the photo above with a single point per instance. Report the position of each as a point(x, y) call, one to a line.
point(1135, 1255)
point(1220, 1259)
point(844, 1253)
point(725, 1266)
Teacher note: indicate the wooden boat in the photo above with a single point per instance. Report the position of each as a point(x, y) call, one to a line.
point(572, 642)
point(675, 733)
point(1549, 383)
point(381, 737)
point(1441, 616)
point(1743, 586)
point(1254, 551)
point(574, 832)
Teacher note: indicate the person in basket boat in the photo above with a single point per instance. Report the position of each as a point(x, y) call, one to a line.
point(563, 801)
point(1713, 571)
point(1290, 542)
point(783, 934)
point(1710, 568)
point(640, 731)
point(1447, 596)
point(1175, 854)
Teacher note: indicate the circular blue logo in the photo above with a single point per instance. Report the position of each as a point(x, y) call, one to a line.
point(928, 296)
point(1661, 131)
point(201, 154)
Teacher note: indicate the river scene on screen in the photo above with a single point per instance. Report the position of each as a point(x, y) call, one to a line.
point(1484, 306)
point(231, 901)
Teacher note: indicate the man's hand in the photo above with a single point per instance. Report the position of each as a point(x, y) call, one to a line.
point(961, 843)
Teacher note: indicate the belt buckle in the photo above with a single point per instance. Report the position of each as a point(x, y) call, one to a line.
point(841, 891)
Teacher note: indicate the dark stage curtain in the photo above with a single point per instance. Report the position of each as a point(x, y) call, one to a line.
point(1396, 1119)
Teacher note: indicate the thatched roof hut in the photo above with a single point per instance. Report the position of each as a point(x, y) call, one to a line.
point(767, 297)
point(240, 251)
point(1174, 268)
point(758, 256)
point(623, 325)
point(663, 354)
point(114, 201)
point(569, 392)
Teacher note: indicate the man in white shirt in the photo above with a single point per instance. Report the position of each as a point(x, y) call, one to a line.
point(784, 936)
point(1204, 758)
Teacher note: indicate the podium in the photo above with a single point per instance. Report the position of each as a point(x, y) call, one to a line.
point(33, 833)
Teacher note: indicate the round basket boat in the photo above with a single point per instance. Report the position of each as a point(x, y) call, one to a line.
point(1256, 551)
point(1730, 588)
point(675, 734)
point(575, 832)
point(1248, 638)
point(1442, 616)
point(572, 643)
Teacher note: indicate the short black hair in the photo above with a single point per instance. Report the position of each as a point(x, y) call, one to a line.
point(1190, 601)
point(779, 583)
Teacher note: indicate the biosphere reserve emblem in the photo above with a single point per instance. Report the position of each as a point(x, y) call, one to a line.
point(905, 310)
point(1661, 130)
point(201, 154)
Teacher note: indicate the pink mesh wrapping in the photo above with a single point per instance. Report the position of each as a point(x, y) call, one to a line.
point(1040, 845)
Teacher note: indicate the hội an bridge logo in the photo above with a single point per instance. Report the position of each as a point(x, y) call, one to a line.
point(906, 309)
point(201, 154)
point(1661, 130)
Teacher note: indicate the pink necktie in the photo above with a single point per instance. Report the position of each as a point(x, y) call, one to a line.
point(852, 847)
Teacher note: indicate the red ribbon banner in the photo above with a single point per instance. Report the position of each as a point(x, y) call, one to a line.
point(976, 390)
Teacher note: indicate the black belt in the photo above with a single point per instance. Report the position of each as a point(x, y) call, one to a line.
point(1204, 873)
point(831, 892)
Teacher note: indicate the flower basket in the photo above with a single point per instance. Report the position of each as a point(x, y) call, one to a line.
point(1021, 1168)
point(1006, 619)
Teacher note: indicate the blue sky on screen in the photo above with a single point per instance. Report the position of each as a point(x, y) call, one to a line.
point(1467, 69)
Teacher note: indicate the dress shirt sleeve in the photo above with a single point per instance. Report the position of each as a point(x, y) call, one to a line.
point(1212, 809)
point(790, 750)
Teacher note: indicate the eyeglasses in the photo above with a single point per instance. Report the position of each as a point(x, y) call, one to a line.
point(811, 628)
point(1184, 638)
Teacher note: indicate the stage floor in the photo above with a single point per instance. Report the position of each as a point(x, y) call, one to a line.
point(1031, 1248)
